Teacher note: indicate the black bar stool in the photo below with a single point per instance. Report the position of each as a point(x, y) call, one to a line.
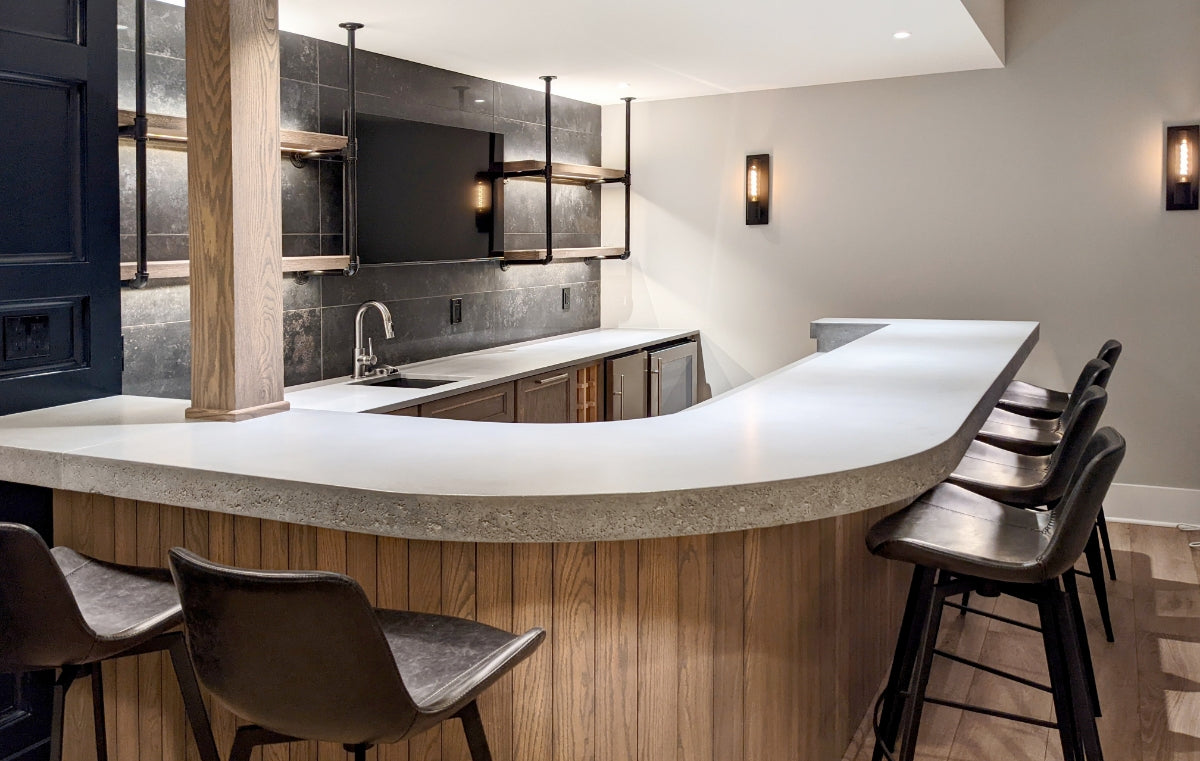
point(1036, 401)
point(304, 656)
point(960, 541)
point(1034, 436)
point(1040, 481)
point(62, 610)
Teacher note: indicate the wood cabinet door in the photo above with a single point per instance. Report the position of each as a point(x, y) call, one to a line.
point(493, 404)
point(547, 398)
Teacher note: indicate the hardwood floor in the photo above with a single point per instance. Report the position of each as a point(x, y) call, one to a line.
point(1149, 678)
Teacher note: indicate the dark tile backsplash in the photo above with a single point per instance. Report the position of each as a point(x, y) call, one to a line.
point(499, 307)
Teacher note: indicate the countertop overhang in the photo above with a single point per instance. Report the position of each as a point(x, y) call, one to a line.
point(873, 422)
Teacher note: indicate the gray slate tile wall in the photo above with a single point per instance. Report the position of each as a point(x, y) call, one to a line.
point(498, 307)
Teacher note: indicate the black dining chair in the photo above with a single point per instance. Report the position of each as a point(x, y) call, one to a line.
point(304, 656)
point(1036, 401)
point(66, 611)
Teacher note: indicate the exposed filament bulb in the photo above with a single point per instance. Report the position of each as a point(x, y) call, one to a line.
point(480, 199)
point(1185, 160)
point(752, 183)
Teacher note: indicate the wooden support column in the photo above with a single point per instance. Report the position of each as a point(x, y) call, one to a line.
point(234, 206)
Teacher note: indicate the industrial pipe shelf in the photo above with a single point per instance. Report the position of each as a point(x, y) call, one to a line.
point(569, 174)
point(173, 129)
point(541, 254)
point(182, 267)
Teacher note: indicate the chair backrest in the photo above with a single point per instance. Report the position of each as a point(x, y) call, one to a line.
point(41, 626)
point(1095, 372)
point(300, 653)
point(1077, 431)
point(1075, 516)
point(1110, 352)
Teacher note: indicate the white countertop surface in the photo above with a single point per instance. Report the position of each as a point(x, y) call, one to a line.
point(876, 421)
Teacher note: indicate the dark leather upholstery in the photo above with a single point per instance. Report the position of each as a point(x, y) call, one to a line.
point(61, 608)
point(1035, 436)
point(1032, 480)
point(1028, 399)
point(955, 530)
point(305, 655)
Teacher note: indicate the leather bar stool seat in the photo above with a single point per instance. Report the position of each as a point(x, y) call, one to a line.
point(960, 541)
point(304, 656)
point(67, 611)
point(1036, 401)
point(1040, 436)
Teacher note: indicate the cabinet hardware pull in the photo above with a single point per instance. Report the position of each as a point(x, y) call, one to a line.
point(555, 379)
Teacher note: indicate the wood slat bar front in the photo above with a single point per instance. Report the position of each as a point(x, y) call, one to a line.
point(763, 645)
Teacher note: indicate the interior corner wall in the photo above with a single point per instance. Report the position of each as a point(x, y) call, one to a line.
point(1029, 192)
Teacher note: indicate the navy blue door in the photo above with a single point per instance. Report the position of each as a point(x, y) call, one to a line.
point(60, 323)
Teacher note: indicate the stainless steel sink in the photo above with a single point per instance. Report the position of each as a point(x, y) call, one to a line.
point(400, 381)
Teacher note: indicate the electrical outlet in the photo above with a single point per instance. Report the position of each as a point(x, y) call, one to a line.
point(566, 299)
point(455, 311)
point(26, 337)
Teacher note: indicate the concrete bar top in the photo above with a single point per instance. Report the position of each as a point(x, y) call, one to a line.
point(876, 421)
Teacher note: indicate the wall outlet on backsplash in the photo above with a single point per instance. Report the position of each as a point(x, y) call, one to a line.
point(455, 311)
point(566, 299)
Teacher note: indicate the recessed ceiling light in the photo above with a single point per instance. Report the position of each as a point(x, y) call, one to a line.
point(622, 85)
point(902, 35)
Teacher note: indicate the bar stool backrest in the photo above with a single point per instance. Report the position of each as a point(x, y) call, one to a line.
point(1110, 352)
point(299, 653)
point(1095, 372)
point(40, 622)
point(1081, 423)
point(1075, 516)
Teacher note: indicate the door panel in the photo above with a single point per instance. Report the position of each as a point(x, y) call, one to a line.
point(52, 19)
point(625, 378)
point(546, 398)
point(673, 378)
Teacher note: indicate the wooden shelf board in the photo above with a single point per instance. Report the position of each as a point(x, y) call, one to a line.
point(182, 267)
point(173, 129)
point(539, 254)
point(567, 173)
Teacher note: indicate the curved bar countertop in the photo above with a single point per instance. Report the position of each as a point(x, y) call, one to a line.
point(876, 421)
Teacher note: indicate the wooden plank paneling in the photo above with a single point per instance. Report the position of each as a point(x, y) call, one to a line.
point(748, 646)
point(533, 687)
point(574, 652)
point(658, 649)
point(71, 520)
point(617, 651)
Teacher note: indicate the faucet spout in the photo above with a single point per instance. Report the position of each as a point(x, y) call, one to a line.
point(364, 358)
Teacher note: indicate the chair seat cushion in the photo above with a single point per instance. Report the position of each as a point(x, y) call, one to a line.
point(123, 605)
point(1002, 475)
point(1020, 396)
point(956, 530)
point(445, 661)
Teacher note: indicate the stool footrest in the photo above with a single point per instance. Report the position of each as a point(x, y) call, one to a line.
point(992, 712)
point(993, 670)
point(994, 616)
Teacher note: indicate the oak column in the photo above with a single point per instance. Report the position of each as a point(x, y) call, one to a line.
point(234, 207)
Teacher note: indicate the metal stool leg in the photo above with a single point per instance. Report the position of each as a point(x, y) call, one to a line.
point(914, 702)
point(1085, 713)
point(1102, 524)
point(98, 712)
point(1096, 573)
point(476, 737)
point(61, 685)
point(907, 643)
point(1052, 640)
point(193, 703)
point(1072, 587)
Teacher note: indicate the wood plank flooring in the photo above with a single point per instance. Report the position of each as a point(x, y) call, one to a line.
point(1149, 678)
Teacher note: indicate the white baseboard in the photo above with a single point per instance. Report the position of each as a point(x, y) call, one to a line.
point(1152, 505)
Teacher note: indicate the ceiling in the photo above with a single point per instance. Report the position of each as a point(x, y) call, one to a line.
point(667, 48)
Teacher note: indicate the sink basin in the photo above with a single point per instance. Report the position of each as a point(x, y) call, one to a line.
point(400, 381)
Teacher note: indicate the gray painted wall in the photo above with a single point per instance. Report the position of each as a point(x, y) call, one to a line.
point(1030, 192)
point(498, 307)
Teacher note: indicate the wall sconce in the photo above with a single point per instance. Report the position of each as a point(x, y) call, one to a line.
point(758, 189)
point(1182, 173)
point(481, 199)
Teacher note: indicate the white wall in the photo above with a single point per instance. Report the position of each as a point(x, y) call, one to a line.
point(1030, 192)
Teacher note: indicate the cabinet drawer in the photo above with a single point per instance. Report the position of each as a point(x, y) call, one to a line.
point(493, 404)
point(547, 398)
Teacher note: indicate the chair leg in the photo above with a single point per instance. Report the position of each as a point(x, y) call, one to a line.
point(61, 685)
point(244, 743)
point(914, 703)
point(473, 729)
point(907, 644)
point(359, 752)
point(966, 600)
point(193, 702)
point(1102, 524)
point(1096, 572)
point(1052, 637)
point(98, 712)
point(1085, 713)
point(1071, 586)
